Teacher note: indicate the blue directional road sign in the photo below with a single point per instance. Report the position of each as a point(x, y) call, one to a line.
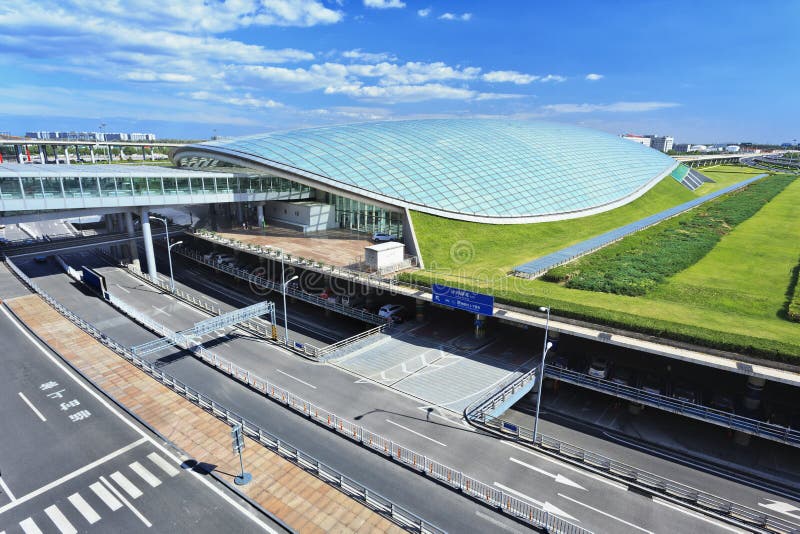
point(463, 299)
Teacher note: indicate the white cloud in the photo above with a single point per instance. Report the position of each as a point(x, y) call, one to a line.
point(594, 77)
point(150, 76)
point(616, 107)
point(553, 78)
point(246, 101)
point(424, 12)
point(454, 16)
point(368, 57)
point(384, 4)
point(510, 76)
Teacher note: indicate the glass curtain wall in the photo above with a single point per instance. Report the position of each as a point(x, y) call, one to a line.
point(356, 215)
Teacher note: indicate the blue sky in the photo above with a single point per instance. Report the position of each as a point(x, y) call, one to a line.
point(703, 71)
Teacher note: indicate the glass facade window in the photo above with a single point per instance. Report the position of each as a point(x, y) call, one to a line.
point(355, 215)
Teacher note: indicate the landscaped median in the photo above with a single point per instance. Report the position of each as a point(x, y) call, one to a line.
point(731, 297)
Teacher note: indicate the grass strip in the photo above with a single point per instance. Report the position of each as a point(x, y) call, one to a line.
point(638, 263)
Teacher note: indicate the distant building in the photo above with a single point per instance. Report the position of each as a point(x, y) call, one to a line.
point(682, 147)
point(91, 136)
point(661, 142)
point(732, 148)
point(641, 139)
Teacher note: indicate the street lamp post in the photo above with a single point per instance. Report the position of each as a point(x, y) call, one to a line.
point(169, 251)
point(284, 284)
point(545, 347)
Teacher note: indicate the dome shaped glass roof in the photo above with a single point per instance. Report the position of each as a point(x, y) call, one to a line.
point(495, 170)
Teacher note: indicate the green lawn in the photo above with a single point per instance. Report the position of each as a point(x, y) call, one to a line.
point(490, 250)
point(732, 299)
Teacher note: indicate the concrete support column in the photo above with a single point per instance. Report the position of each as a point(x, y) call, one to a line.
point(42, 158)
point(420, 309)
point(66, 154)
point(148, 245)
point(239, 215)
point(133, 251)
point(260, 214)
point(480, 326)
point(152, 154)
point(144, 156)
point(91, 154)
point(18, 152)
point(119, 226)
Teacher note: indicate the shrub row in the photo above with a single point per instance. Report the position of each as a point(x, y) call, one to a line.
point(794, 302)
point(639, 262)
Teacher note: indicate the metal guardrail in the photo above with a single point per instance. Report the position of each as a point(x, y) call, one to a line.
point(652, 483)
point(260, 281)
point(332, 350)
point(770, 431)
point(375, 280)
point(496, 398)
point(261, 327)
point(474, 488)
point(362, 493)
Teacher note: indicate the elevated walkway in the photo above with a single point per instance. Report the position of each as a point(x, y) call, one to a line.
point(539, 266)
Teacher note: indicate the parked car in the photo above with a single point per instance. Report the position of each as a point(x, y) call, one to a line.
point(598, 367)
point(396, 313)
point(622, 375)
point(383, 237)
point(685, 392)
point(224, 258)
point(40, 259)
point(651, 384)
point(561, 361)
point(723, 402)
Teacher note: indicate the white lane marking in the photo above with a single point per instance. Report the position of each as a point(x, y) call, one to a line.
point(145, 437)
point(782, 508)
point(29, 527)
point(601, 512)
point(546, 506)
point(559, 478)
point(295, 378)
point(5, 489)
point(119, 496)
point(598, 478)
point(415, 432)
point(126, 484)
point(165, 466)
point(696, 516)
point(105, 496)
point(495, 522)
point(122, 288)
point(69, 476)
point(160, 310)
point(83, 507)
point(146, 475)
point(60, 520)
point(32, 407)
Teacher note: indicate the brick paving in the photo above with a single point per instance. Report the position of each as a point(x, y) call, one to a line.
point(337, 247)
point(298, 498)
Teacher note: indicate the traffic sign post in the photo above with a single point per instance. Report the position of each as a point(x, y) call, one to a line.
point(238, 447)
point(462, 299)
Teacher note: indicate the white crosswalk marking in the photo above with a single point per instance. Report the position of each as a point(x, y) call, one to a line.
point(83, 507)
point(105, 496)
point(146, 475)
point(29, 527)
point(126, 484)
point(60, 520)
point(165, 466)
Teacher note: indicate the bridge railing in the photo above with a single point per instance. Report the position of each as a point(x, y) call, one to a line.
point(362, 493)
point(781, 434)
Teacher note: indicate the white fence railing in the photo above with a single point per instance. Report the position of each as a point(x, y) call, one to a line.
point(347, 485)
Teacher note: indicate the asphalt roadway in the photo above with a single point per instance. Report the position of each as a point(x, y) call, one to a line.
point(71, 461)
point(588, 500)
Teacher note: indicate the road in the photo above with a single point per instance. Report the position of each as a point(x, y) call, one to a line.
point(74, 462)
point(591, 501)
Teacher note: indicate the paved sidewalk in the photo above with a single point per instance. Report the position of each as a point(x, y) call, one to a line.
point(301, 500)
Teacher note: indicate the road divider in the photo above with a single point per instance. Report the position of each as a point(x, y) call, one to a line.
point(483, 493)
